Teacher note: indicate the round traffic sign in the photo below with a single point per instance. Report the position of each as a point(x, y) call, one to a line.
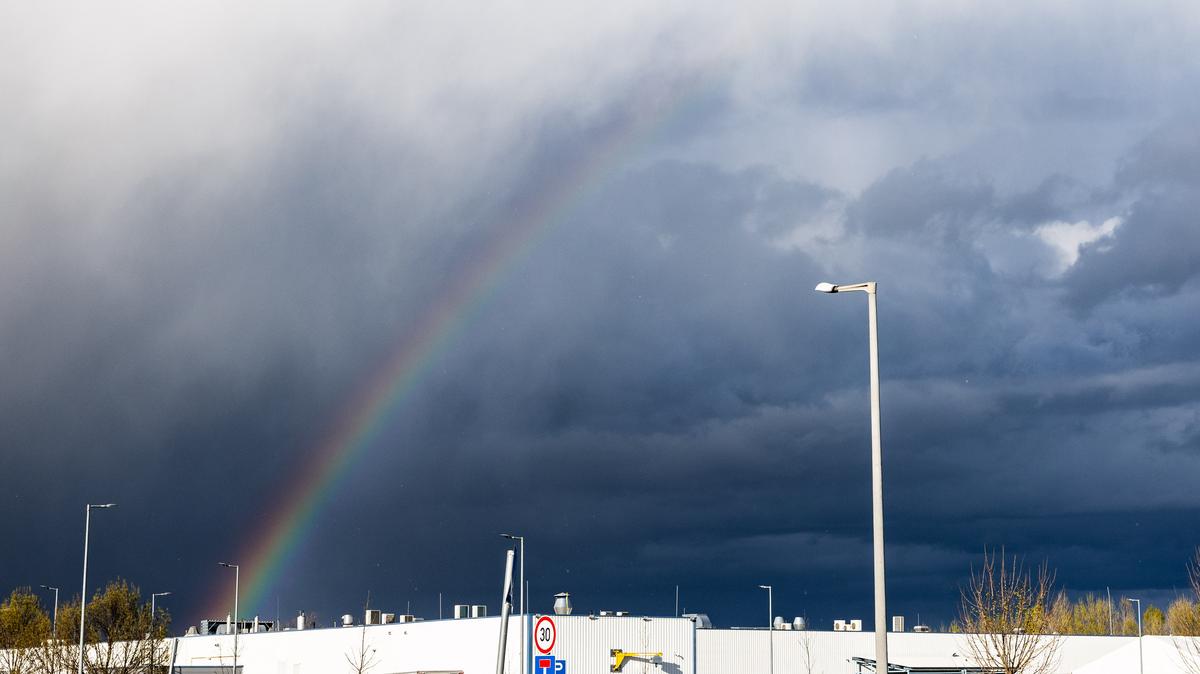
point(544, 635)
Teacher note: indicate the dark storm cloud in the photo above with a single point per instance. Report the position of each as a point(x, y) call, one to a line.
point(1055, 198)
point(921, 202)
point(194, 280)
point(1154, 250)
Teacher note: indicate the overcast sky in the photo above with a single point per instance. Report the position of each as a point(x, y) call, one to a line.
point(219, 220)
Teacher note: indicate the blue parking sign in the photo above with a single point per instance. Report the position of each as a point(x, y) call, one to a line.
point(548, 664)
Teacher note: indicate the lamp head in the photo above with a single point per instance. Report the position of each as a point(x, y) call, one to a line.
point(765, 587)
point(228, 565)
point(867, 287)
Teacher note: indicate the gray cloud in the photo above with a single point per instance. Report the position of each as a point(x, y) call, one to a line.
point(1153, 250)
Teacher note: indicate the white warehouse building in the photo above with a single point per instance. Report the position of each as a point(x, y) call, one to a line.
point(566, 644)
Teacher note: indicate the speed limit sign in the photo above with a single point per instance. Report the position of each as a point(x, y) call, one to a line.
point(544, 635)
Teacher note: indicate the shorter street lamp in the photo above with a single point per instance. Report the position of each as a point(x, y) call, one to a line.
point(1141, 665)
point(153, 596)
point(770, 624)
point(54, 622)
point(237, 572)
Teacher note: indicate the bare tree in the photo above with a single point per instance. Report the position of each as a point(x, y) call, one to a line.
point(1183, 618)
point(1005, 615)
point(806, 650)
point(363, 658)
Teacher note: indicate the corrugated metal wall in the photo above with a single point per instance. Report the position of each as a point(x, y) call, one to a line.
point(586, 644)
point(795, 652)
point(467, 645)
point(818, 652)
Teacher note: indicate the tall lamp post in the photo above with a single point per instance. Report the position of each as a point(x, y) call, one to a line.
point(237, 572)
point(1141, 665)
point(87, 527)
point(521, 540)
point(770, 626)
point(881, 659)
point(54, 621)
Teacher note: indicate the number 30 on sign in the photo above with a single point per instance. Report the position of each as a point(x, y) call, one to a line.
point(544, 635)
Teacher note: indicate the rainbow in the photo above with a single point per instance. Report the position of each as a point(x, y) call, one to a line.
point(282, 531)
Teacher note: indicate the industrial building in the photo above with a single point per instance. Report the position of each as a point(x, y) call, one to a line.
point(602, 644)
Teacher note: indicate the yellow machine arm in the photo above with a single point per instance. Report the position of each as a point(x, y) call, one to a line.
point(619, 657)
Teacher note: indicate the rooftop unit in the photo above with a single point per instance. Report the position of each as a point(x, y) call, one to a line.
point(225, 626)
point(562, 604)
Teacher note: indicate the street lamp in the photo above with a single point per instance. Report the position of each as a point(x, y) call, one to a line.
point(87, 526)
point(54, 623)
point(153, 596)
point(521, 540)
point(770, 625)
point(237, 572)
point(770, 606)
point(1141, 666)
point(881, 660)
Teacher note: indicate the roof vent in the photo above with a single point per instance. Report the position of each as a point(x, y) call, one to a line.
point(562, 603)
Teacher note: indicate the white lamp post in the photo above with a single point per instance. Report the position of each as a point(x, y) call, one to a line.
point(54, 621)
point(153, 596)
point(87, 526)
point(770, 626)
point(521, 540)
point(237, 572)
point(881, 660)
point(1141, 665)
